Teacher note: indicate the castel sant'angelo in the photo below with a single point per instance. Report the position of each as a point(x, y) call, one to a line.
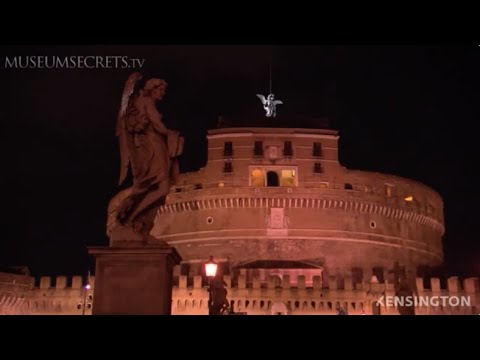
point(293, 231)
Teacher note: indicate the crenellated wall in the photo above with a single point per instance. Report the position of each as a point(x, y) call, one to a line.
point(254, 298)
point(248, 294)
point(52, 296)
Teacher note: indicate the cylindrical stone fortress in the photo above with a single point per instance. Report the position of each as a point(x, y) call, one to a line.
point(281, 194)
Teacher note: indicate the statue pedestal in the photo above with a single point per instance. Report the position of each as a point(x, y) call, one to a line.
point(134, 280)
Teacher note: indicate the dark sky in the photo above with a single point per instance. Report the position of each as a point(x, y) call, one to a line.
point(405, 110)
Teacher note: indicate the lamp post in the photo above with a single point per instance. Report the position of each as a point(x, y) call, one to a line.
point(211, 271)
point(217, 292)
point(87, 287)
point(84, 304)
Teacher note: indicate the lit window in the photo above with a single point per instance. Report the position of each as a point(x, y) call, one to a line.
point(323, 185)
point(409, 198)
point(257, 178)
point(288, 178)
point(288, 173)
point(368, 188)
point(260, 177)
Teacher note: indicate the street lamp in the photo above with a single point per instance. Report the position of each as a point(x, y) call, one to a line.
point(217, 293)
point(87, 287)
point(83, 305)
point(211, 269)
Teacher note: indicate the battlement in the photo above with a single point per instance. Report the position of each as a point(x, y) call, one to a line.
point(454, 284)
point(257, 298)
point(247, 292)
point(46, 295)
point(65, 282)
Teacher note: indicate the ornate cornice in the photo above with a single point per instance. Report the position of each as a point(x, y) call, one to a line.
point(356, 206)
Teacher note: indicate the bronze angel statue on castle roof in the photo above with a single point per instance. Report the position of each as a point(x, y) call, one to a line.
point(270, 104)
point(150, 150)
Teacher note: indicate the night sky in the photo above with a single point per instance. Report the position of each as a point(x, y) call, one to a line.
point(411, 111)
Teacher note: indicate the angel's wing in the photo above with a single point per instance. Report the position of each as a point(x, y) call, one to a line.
point(120, 129)
point(262, 98)
point(278, 102)
point(127, 92)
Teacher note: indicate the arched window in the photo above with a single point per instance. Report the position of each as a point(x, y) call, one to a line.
point(272, 178)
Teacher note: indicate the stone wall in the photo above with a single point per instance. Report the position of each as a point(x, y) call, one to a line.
point(14, 291)
point(51, 296)
point(247, 293)
point(254, 298)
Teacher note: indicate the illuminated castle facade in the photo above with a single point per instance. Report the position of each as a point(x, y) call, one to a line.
point(293, 230)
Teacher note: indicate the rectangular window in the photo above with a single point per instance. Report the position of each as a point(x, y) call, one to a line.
point(287, 148)
point(317, 149)
point(258, 149)
point(348, 186)
point(323, 185)
point(228, 168)
point(228, 148)
point(317, 169)
point(288, 178)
